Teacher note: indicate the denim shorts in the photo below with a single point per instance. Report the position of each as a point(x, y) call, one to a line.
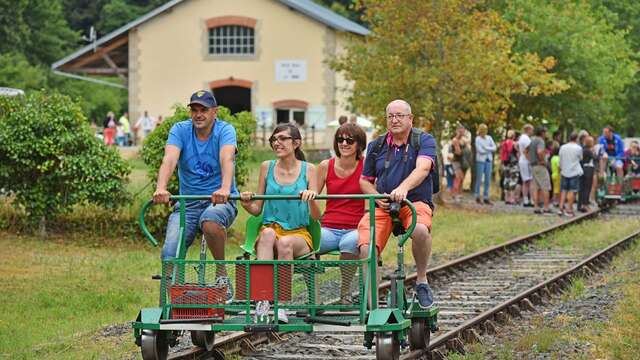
point(570, 183)
point(196, 213)
point(615, 163)
point(345, 240)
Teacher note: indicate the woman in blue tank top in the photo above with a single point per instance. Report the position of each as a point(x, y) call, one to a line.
point(284, 232)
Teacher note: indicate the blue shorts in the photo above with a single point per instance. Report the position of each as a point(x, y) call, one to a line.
point(196, 213)
point(345, 240)
point(615, 163)
point(570, 183)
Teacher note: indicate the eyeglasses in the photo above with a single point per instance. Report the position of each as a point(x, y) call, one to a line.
point(348, 140)
point(396, 116)
point(280, 139)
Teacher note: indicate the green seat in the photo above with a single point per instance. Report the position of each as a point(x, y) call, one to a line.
point(253, 228)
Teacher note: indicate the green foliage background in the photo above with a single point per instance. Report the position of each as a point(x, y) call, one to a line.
point(594, 57)
point(50, 159)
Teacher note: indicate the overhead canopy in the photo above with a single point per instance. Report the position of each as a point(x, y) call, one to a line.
point(110, 58)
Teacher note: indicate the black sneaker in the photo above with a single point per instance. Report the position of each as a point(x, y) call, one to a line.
point(424, 295)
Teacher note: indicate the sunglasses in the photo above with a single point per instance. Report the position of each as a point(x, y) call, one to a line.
point(341, 139)
point(280, 139)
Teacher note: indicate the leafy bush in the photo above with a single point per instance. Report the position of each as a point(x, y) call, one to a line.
point(153, 147)
point(50, 159)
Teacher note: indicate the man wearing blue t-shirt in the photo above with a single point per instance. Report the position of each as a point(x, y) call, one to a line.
point(203, 148)
point(393, 166)
point(614, 147)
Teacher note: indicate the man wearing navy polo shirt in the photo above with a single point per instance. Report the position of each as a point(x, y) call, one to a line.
point(405, 176)
point(203, 148)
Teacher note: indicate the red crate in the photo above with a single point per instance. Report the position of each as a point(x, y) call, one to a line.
point(261, 287)
point(614, 189)
point(635, 184)
point(192, 294)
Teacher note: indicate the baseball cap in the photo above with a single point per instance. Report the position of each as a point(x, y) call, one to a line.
point(204, 98)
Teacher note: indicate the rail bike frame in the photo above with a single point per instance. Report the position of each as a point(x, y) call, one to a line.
point(393, 317)
point(612, 189)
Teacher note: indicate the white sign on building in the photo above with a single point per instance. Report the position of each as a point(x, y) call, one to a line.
point(291, 70)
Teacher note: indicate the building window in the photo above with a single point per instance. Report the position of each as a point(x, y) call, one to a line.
point(290, 116)
point(231, 40)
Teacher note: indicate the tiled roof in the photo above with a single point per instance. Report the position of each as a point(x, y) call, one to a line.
point(306, 7)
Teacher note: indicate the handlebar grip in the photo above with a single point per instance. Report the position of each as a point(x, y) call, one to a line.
point(143, 226)
point(414, 220)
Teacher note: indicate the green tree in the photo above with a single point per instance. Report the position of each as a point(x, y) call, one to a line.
point(15, 71)
point(449, 59)
point(593, 57)
point(116, 13)
point(94, 99)
point(37, 29)
point(50, 159)
point(625, 15)
point(346, 8)
point(83, 14)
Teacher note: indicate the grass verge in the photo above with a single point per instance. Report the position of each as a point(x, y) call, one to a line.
point(615, 338)
point(64, 291)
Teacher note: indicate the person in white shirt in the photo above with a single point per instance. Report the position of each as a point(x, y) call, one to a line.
point(146, 123)
point(523, 163)
point(570, 172)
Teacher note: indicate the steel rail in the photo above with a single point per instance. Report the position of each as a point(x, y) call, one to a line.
point(233, 344)
point(467, 332)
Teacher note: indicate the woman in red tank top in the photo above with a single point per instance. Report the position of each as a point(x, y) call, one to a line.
point(341, 175)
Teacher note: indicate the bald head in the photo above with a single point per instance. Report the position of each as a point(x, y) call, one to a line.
point(399, 119)
point(400, 105)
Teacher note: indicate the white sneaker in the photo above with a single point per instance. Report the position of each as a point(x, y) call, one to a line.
point(223, 281)
point(282, 316)
point(262, 311)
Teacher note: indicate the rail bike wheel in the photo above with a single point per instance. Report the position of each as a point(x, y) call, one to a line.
point(154, 345)
point(204, 339)
point(419, 334)
point(387, 346)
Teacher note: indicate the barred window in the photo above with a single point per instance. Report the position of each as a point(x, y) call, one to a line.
point(231, 40)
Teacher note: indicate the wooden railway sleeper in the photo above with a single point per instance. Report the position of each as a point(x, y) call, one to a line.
point(527, 305)
point(456, 345)
point(514, 310)
point(470, 336)
point(535, 298)
point(490, 327)
point(246, 346)
point(502, 317)
point(437, 354)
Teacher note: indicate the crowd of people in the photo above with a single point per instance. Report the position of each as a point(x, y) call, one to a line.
point(539, 171)
point(120, 132)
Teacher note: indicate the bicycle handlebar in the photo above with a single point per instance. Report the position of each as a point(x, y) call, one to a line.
point(183, 198)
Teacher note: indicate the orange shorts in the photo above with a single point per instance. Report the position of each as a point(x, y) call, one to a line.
point(384, 226)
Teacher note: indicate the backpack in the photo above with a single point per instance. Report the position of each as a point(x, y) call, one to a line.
point(415, 141)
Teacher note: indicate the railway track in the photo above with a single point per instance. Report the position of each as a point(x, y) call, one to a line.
point(454, 305)
point(626, 209)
